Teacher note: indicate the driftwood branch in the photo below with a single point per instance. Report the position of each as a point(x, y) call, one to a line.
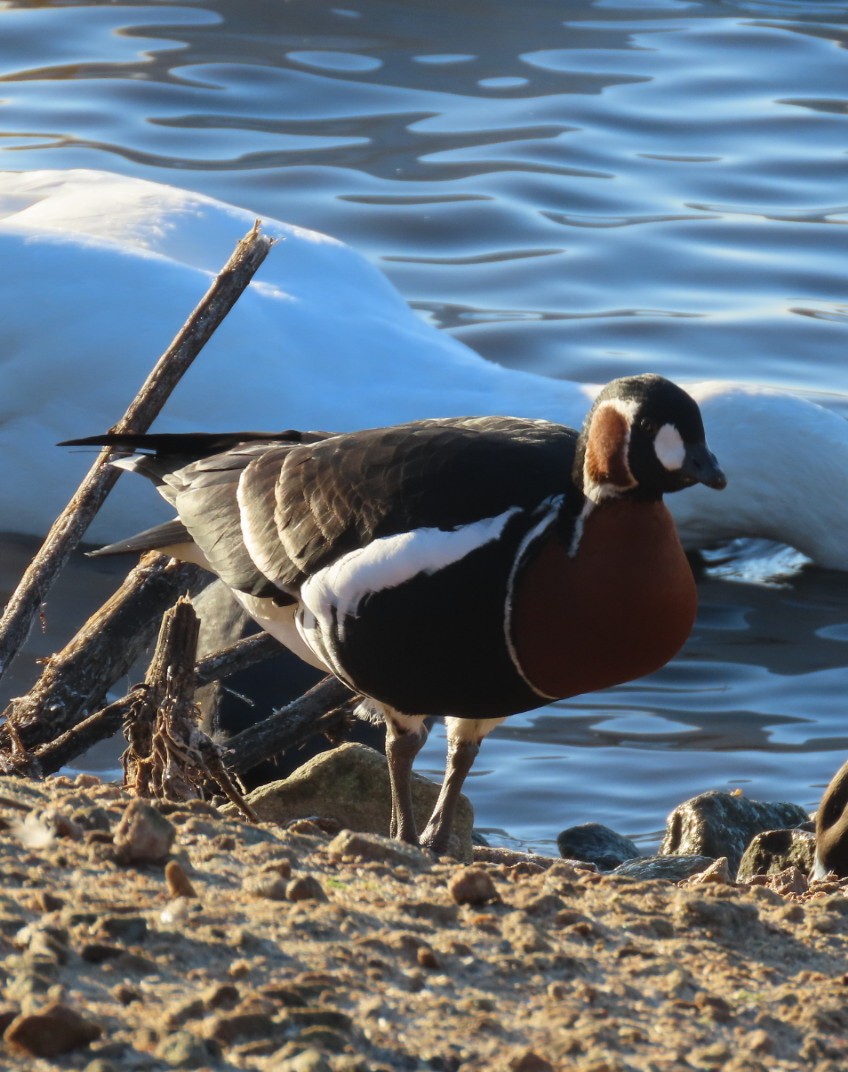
point(57, 752)
point(68, 529)
point(168, 757)
point(323, 708)
point(163, 708)
point(76, 680)
point(246, 652)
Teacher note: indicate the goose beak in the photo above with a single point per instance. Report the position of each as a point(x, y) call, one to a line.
point(700, 467)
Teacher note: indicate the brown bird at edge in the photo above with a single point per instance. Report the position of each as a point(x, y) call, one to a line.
point(467, 567)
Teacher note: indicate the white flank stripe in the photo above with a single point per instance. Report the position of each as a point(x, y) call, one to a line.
point(338, 589)
point(669, 447)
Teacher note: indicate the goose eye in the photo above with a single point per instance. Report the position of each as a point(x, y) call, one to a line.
point(650, 428)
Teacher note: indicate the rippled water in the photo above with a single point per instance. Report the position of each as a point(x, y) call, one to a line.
point(581, 189)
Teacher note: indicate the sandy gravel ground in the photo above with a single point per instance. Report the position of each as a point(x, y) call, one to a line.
point(182, 938)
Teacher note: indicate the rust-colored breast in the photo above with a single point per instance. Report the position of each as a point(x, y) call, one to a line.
point(620, 608)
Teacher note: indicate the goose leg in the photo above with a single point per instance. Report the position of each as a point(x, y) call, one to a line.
point(464, 738)
point(405, 736)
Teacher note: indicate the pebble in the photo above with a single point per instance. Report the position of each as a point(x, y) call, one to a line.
point(56, 1030)
point(268, 884)
point(356, 845)
point(529, 1061)
point(129, 929)
point(98, 952)
point(718, 871)
point(143, 835)
point(182, 1049)
point(228, 1027)
point(308, 1060)
point(178, 882)
point(472, 885)
point(45, 901)
point(305, 888)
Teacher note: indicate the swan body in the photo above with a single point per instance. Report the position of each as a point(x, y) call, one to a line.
point(98, 271)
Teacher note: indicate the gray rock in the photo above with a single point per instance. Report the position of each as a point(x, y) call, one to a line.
point(672, 868)
point(143, 835)
point(775, 850)
point(721, 824)
point(597, 844)
point(351, 784)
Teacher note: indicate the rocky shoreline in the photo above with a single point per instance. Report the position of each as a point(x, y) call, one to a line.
point(139, 937)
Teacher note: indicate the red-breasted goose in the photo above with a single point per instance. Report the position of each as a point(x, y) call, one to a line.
point(471, 567)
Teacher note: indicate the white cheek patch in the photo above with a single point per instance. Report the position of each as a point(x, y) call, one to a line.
point(669, 447)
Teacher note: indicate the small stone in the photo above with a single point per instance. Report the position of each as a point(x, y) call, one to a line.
point(45, 901)
point(309, 1060)
point(305, 888)
point(125, 994)
point(94, 819)
point(529, 1061)
point(310, 827)
point(137, 964)
point(472, 885)
point(790, 880)
point(56, 1030)
point(360, 846)
point(220, 996)
point(100, 1064)
point(98, 952)
point(60, 824)
point(182, 1049)
point(267, 884)
point(718, 871)
point(86, 781)
point(179, 884)
point(596, 844)
point(129, 929)
point(178, 911)
point(427, 958)
point(281, 866)
point(324, 1037)
point(321, 1017)
point(192, 1009)
point(143, 835)
point(250, 1025)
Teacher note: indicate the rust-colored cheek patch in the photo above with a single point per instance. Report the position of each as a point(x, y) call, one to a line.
point(606, 449)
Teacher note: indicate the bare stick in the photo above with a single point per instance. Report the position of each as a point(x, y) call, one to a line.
point(76, 680)
point(168, 757)
point(68, 529)
point(100, 726)
point(51, 755)
point(238, 656)
point(292, 724)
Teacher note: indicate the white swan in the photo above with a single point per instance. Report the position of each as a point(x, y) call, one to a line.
point(97, 272)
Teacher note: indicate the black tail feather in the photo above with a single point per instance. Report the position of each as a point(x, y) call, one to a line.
point(170, 534)
point(190, 444)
